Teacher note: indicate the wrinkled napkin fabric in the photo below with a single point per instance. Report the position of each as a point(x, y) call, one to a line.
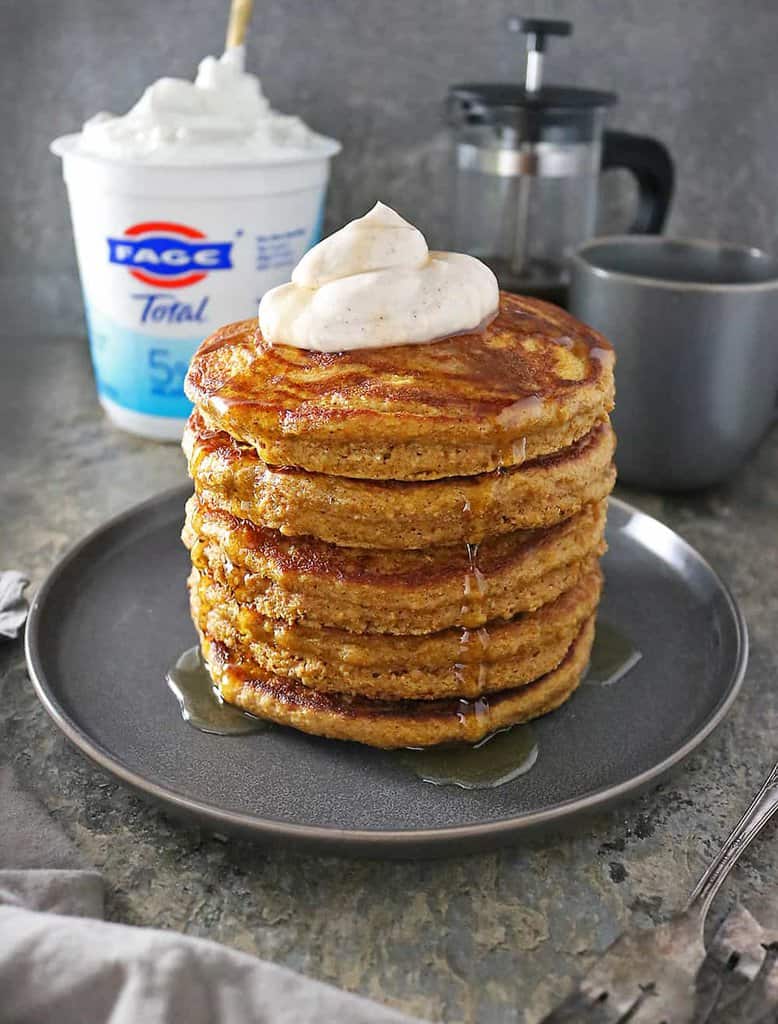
point(13, 607)
point(60, 963)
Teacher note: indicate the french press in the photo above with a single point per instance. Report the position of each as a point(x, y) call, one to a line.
point(527, 160)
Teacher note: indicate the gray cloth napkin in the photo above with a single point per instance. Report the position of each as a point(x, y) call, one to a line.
point(13, 607)
point(60, 963)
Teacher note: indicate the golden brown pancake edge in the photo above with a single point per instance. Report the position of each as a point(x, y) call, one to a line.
point(393, 724)
point(462, 405)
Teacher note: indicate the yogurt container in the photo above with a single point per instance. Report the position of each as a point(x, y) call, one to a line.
point(185, 212)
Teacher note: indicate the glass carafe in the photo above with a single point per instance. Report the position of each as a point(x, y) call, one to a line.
point(527, 160)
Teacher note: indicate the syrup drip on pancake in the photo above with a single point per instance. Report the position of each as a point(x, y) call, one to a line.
point(199, 700)
point(474, 590)
point(471, 671)
point(471, 708)
point(518, 452)
point(602, 355)
point(513, 450)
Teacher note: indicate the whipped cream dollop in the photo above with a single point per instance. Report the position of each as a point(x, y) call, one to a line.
point(221, 117)
point(375, 284)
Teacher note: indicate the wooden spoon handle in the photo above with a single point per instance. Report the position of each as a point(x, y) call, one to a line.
point(240, 16)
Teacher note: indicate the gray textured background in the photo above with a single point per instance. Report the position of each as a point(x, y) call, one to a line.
point(701, 75)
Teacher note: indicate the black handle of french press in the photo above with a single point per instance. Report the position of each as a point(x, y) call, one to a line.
point(651, 164)
point(536, 30)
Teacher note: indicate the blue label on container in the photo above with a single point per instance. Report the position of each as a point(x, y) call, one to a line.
point(140, 372)
point(169, 257)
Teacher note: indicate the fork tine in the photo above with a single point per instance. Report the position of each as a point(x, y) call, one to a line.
point(580, 1008)
point(757, 1000)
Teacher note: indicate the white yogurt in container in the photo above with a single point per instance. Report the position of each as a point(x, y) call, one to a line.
point(185, 211)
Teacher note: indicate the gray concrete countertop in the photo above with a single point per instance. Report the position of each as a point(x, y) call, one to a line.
point(485, 938)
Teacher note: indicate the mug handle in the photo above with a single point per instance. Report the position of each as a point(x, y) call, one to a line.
point(650, 162)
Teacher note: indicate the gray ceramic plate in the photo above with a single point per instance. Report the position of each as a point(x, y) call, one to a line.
point(112, 617)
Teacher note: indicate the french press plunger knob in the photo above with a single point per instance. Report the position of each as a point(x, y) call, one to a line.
point(536, 30)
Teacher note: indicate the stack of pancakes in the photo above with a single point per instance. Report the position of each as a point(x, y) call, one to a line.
point(400, 546)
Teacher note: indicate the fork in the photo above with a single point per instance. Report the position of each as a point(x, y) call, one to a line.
point(649, 976)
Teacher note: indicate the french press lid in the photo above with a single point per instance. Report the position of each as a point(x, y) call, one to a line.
point(537, 112)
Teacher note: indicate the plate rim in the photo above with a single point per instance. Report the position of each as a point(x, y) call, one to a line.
point(397, 842)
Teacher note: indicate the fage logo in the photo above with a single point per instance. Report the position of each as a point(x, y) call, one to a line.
point(168, 255)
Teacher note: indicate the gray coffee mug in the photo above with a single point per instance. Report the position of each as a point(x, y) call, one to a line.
point(695, 328)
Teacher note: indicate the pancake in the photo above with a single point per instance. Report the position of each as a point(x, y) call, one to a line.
point(386, 591)
point(461, 663)
point(391, 724)
point(533, 381)
point(399, 514)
